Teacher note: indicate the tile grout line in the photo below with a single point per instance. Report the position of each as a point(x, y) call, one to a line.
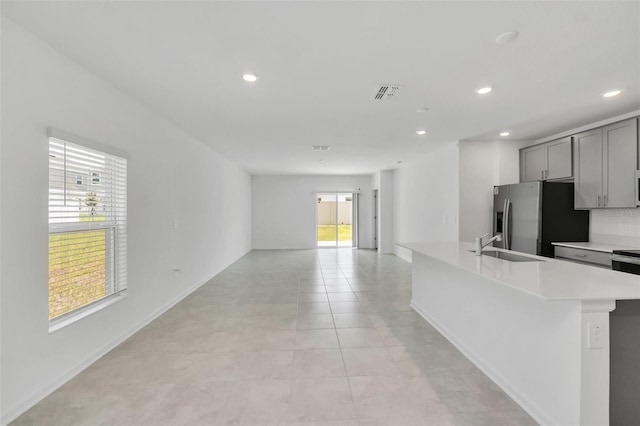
point(344, 364)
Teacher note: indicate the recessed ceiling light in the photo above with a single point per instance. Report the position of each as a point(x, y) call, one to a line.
point(505, 133)
point(507, 37)
point(421, 132)
point(611, 93)
point(249, 77)
point(484, 90)
point(423, 109)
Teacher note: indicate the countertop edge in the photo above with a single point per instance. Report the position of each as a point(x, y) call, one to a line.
point(633, 292)
point(494, 279)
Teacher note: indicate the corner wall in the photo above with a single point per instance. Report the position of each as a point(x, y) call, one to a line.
point(171, 177)
point(285, 207)
point(484, 164)
point(386, 207)
point(426, 202)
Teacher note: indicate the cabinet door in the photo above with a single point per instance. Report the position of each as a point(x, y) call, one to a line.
point(620, 162)
point(588, 169)
point(559, 159)
point(533, 162)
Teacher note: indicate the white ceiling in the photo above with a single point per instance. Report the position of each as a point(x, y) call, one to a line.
point(320, 62)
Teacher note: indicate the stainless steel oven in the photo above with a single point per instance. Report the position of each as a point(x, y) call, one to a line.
point(626, 261)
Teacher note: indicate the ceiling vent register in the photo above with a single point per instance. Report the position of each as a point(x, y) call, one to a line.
point(387, 92)
point(321, 147)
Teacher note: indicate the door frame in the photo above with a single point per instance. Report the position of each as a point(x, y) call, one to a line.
point(374, 234)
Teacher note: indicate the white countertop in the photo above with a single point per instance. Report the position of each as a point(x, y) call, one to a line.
point(603, 247)
point(550, 279)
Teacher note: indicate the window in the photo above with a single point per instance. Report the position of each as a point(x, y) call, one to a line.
point(87, 227)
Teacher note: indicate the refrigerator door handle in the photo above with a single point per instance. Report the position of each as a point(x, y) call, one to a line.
point(504, 224)
point(507, 222)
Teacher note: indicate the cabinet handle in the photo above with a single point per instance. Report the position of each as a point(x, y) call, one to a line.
point(541, 174)
point(546, 174)
point(580, 255)
point(604, 200)
point(598, 201)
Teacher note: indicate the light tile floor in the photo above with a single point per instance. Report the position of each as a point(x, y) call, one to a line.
point(308, 337)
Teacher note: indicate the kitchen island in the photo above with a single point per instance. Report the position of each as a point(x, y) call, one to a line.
point(539, 329)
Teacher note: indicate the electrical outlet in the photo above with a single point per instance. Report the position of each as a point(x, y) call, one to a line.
point(596, 336)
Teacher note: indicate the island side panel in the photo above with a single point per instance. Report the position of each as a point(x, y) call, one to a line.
point(595, 363)
point(529, 346)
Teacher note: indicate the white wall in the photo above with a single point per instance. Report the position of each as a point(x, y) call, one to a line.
point(426, 199)
point(284, 209)
point(386, 220)
point(170, 176)
point(484, 164)
point(620, 226)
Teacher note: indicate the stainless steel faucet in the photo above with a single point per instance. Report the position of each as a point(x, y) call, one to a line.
point(480, 244)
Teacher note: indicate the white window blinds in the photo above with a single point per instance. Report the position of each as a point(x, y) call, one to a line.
point(87, 225)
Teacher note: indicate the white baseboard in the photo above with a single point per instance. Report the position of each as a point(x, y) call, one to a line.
point(518, 397)
point(14, 412)
point(403, 253)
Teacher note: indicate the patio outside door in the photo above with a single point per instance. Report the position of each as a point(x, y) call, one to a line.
point(335, 220)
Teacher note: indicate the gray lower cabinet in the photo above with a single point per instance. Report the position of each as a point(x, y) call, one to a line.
point(605, 160)
point(588, 257)
point(550, 160)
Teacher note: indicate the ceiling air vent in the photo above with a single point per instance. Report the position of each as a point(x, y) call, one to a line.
point(321, 147)
point(387, 92)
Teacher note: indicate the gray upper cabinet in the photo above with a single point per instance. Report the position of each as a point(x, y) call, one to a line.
point(605, 162)
point(533, 162)
point(588, 172)
point(559, 159)
point(551, 160)
point(620, 161)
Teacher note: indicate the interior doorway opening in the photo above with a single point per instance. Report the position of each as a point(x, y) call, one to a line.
point(375, 219)
point(336, 219)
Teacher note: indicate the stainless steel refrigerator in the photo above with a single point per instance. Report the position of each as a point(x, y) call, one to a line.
point(532, 215)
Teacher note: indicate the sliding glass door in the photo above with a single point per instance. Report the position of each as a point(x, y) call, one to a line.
point(335, 220)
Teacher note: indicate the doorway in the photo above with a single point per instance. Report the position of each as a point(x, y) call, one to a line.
point(336, 219)
point(375, 219)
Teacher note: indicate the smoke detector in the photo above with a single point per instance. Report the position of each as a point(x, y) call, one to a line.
point(321, 147)
point(387, 92)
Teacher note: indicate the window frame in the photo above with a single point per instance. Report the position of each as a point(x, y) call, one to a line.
point(113, 229)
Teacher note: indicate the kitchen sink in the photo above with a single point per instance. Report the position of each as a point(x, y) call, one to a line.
point(511, 257)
